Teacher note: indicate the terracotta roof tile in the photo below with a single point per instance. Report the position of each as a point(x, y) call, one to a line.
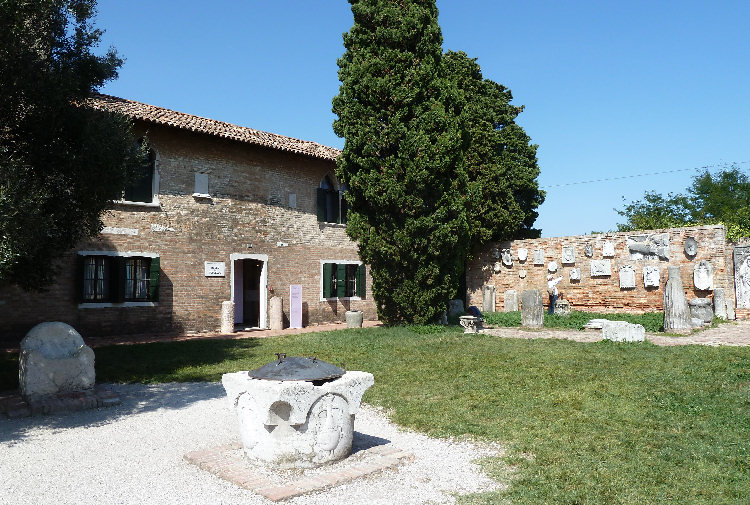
point(160, 115)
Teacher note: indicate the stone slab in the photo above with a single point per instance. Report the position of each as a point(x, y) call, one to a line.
point(622, 331)
point(532, 310)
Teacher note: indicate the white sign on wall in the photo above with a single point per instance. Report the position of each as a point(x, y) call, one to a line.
point(295, 306)
point(214, 268)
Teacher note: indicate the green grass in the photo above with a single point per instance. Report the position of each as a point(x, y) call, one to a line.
point(651, 321)
point(593, 424)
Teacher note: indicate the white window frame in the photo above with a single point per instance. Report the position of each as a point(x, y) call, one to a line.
point(263, 320)
point(320, 274)
point(126, 254)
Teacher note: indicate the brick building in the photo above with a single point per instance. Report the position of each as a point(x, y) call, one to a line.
point(593, 268)
point(222, 212)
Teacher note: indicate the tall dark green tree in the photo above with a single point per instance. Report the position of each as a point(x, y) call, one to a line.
point(60, 163)
point(402, 157)
point(722, 197)
point(501, 163)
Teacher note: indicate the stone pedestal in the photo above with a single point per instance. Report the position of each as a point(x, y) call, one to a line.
point(676, 311)
point(54, 359)
point(622, 331)
point(289, 424)
point(562, 308)
point(532, 310)
point(471, 324)
point(700, 308)
point(227, 317)
point(488, 298)
point(720, 304)
point(276, 313)
point(510, 301)
point(354, 318)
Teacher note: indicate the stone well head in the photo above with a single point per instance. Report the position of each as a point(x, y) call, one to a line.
point(296, 412)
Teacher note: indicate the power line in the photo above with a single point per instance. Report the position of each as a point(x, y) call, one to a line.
point(718, 165)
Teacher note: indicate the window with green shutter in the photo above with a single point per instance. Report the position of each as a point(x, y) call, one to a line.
point(331, 206)
point(343, 280)
point(110, 278)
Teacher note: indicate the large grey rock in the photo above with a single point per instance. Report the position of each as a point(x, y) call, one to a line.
point(622, 331)
point(510, 301)
point(742, 276)
point(676, 310)
point(488, 298)
point(455, 308)
point(532, 310)
point(701, 308)
point(720, 303)
point(296, 423)
point(54, 359)
point(703, 276)
point(276, 311)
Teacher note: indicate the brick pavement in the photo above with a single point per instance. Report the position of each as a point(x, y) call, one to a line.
point(229, 463)
point(736, 333)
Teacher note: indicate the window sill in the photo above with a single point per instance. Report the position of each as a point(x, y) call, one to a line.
point(343, 299)
point(202, 196)
point(104, 305)
point(333, 225)
point(150, 205)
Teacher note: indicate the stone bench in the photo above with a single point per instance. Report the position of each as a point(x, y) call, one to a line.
point(54, 359)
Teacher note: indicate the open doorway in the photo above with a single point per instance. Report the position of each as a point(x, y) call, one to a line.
point(249, 273)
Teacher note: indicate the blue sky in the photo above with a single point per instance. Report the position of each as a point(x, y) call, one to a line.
point(611, 89)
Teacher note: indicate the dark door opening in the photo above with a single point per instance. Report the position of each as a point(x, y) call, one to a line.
point(251, 270)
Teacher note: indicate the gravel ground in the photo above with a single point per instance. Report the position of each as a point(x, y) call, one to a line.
point(133, 453)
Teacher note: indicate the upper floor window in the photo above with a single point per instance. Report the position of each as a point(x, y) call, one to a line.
point(143, 188)
point(332, 206)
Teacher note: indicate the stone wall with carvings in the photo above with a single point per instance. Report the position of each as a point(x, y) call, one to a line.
point(605, 272)
point(249, 212)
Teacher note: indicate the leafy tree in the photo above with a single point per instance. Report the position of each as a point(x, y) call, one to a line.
point(60, 163)
point(501, 164)
point(402, 158)
point(723, 197)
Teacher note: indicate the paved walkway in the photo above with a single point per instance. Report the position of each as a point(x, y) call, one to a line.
point(735, 333)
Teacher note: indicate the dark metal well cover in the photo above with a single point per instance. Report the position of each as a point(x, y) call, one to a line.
point(297, 368)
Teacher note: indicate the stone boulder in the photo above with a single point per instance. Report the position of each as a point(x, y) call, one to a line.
point(54, 359)
point(622, 331)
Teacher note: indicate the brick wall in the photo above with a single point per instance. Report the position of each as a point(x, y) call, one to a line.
point(602, 294)
point(186, 231)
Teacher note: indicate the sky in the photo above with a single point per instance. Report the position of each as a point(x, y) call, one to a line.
point(611, 90)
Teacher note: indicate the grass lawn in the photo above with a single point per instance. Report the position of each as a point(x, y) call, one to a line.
point(651, 321)
point(596, 424)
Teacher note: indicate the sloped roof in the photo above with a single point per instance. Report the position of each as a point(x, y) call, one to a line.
point(183, 121)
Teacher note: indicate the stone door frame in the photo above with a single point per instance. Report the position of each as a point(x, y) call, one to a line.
point(237, 278)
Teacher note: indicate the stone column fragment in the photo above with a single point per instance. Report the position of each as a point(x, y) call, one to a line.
point(676, 310)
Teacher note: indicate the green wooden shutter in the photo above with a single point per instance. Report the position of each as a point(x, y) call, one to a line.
point(361, 281)
point(333, 195)
point(344, 208)
point(153, 284)
point(327, 279)
point(78, 281)
point(117, 279)
point(321, 204)
point(341, 281)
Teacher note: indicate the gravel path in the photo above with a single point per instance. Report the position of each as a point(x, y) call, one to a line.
point(133, 454)
point(735, 333)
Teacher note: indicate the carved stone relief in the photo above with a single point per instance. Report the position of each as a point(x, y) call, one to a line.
point(497, 267)
point(651, 276)
point(568, 255)
point(601, 268)
point(691, 246)
point(588, 250)
point(608, 249)
point(652, 246)
point(507, 257)
point(552, 267)
point(742, 276)
point(539, 256)
point(522, 274)
point(575, 274)
point(703, 275)
point(627, 277)
point(523, 254)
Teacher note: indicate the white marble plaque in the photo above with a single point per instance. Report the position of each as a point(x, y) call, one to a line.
point(523, 254)
point(627, 277)
point(651, 276)
point(552, 267)
point(703, 275)
point(113, 230)
point(601, 268)
point(497, 267)
point(539, 256)
point(742, 276)
point(588, 250)
point(214, 268)
point(507, 257)
point(568, 255)
point(608, 249)
point(295, 306)
point(575, 274)
point(522, 274)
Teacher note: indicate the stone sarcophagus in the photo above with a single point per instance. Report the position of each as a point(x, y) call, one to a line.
point(296, 412)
